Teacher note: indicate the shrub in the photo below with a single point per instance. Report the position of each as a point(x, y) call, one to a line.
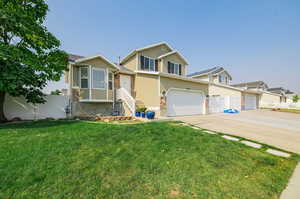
point(141, 109)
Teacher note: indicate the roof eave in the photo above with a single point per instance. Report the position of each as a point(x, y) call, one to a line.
point(133, 52)
point(78, 61)
point(174, 52)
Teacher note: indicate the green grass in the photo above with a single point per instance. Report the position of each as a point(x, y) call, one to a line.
point(72, 159)
point(285, 110)
point(289, 110)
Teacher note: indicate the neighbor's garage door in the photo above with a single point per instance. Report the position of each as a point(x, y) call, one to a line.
point(180, 102)
point(250, 102)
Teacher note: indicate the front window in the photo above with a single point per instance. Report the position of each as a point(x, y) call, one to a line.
point(174, 68)
point(84, 77)
point(98, 78)
point(148, 64)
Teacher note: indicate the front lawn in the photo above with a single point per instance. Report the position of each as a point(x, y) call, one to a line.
point(72, 159)
point(289, 110)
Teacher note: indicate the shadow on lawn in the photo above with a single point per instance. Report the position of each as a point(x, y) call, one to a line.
point(36, 124)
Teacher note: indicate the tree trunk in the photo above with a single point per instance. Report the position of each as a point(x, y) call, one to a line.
point(2, 98)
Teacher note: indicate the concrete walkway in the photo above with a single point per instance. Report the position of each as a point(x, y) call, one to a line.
point(292, 191)
point(274, 128)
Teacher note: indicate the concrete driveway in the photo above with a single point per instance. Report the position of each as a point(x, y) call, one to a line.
point(274, 128)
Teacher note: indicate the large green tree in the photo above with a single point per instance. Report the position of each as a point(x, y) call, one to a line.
point(29, 54)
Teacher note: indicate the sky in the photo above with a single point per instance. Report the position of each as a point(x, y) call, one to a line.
point(253, 40)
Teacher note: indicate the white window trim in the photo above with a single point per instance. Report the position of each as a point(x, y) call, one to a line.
point(105, 78)
point(71, 74)
point(174, 68)
point(87, 77)
point(149, 64)
point(106, 84)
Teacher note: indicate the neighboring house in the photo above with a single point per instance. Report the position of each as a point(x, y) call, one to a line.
point(285, 93)
point(257, 85)
point(262, 96)
point(224, 96)
point(213, 75)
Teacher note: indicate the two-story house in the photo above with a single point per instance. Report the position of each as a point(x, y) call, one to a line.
point(154, 76)
point(161, 83)
point(263, 97)
point(215, 75)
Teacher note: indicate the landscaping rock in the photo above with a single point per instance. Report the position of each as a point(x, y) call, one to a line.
point(278, 153)
point(230, 138)
point(252, 144)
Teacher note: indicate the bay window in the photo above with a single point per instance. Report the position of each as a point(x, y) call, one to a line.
point(98, 78)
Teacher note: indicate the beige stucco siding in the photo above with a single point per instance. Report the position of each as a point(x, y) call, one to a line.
point(223, 91)
point(268, 99)
point(98, 94)
point(174, 59)
point(167, 83)
point(147, 90)
point(203, 78)
point(84, 94)
point(131, 63)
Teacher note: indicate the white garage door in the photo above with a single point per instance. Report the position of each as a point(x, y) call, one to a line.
point(250, 102)
point(180, 102)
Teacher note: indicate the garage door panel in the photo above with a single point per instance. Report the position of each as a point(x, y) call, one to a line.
point(250, 102)
point(184, 103)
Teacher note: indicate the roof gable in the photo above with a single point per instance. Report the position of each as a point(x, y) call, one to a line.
point(203, 72)
point(132, 53)
point(73, 57)
point(174, 53)
point(212, 71)
point(78, 61)
point(255, 84)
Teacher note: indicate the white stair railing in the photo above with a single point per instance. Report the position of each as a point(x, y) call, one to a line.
point(124, 95)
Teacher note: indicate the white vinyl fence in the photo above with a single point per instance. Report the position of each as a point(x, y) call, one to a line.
point(217, 104)
point(53, 108)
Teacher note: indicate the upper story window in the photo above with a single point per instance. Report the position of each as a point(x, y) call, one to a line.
point(149, 64)
point(174, 68)
point(223, 79)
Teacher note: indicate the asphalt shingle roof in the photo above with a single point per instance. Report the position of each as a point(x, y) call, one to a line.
point(255, 84)
point(73, 57)
point(202, 72)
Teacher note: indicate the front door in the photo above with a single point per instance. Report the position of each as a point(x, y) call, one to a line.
point(125, 82)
